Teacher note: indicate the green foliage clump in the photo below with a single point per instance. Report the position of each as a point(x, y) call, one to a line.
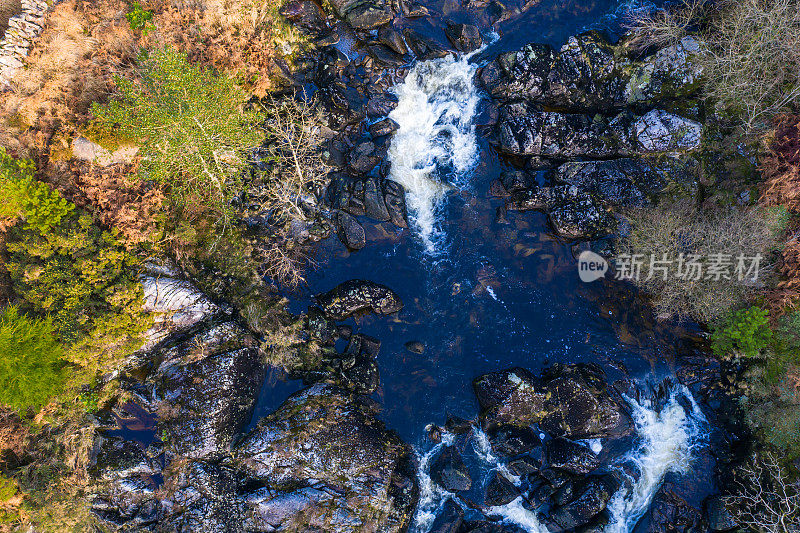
point(8, 488)
point(744, 332)
point(139, 18)
point(65, 267)
point(31, 366)
point(195, 129)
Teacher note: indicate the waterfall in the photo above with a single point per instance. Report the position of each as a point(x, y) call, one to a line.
point(665, 440)
point(668, 438)
point(435, 144)
point(431, 496)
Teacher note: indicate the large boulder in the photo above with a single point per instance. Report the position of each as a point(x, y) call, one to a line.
point(449, 471)
point(591, 500)
point(206, 389)
point(326, 464)
point(570, 456)
point(567, 400)
point(672, 72)
point(356, 296)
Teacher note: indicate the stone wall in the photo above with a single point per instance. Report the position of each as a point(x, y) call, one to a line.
point(22, 30)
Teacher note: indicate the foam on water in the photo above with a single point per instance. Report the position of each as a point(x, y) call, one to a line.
point(667, 439)
point(431, 496)
point(435, 144)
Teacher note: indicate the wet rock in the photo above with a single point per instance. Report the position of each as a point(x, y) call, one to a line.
point(368, 15)
point(576, 214)
point(383, 127)
point(570, 456)
point(584, 75)
point(524, 466)
point(423, 47)
point(355, 296)
point(464, 37)
point(519, 75)
point(306, 14)
point(208, 385)
point(395, 198)
point(374, 203)
point(349, 231)
point(449, 471)
point(567, 400)
point(718, 516)
point(525, 131)
point(449, 519)
point(484, 526)
point(457, 425)
point(416, 347)
point(385, 56)
point(328, 440)
point(392, 39)
point(510, 441)
point(500, 490)
point(203, 497)
point(381, 105)
point(669, 512)
point(592, 499)
point(364, 157)
point(516, 180)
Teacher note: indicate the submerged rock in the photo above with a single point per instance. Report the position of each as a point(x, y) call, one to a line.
point(449, 519)
point(356, 296)
point(326, 464)
point(567, 400)
point(464, 37)
point(449, 471)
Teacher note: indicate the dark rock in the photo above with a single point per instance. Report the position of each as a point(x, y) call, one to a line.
point(671, 73)
point(484, 526)
point(500, 490)
point(519, 75)
point(570, 456)
point(368, 16)
point(457, 425)
point(524, 466)
point(356, 296)
point(449, 519)
point(385, 56)
point(568, 400)
point(395, 198)
point(349, 231)
point(415, 347)
point(213, 396)
point(509, 441)
point(517, 180)
point(327, 439)
point(718, 516)
point(464, 37)
point(392, 39)
point(423, 47)
point(364, 157)
point(381, 105)
point(555, 478)
point(305, 14)
point(415, 10)
point(592, 499)
point(374, 203)
point(383, 127)
point(671, 513)
point(449, 471)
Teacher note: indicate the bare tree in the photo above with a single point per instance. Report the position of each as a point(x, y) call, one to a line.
point(766, 501)
point(295, 150)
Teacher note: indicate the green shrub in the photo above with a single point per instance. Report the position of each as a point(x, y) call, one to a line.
point(195, 129)
point(65, 267)
point(745, 332)
point(8, 488)
point(139, 18)
point(31, 366)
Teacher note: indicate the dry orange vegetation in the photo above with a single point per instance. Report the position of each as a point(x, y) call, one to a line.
point(781, 170)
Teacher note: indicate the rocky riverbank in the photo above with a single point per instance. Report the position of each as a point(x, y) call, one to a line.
point(607, 131)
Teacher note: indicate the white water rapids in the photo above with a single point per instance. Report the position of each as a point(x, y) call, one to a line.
point(435, 144)
point(665, 440)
